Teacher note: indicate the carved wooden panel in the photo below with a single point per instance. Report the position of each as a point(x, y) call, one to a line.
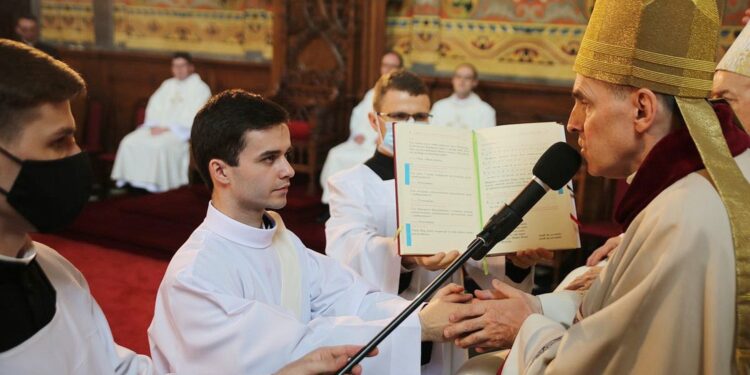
point(313, 48)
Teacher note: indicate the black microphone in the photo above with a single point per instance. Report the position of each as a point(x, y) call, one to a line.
point(551, 172)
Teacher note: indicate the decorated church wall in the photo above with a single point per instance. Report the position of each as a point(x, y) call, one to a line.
point(68, 22)
point(528, 41)
point(233, 29)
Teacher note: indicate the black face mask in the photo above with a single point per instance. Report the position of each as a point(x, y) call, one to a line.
point(50, 193)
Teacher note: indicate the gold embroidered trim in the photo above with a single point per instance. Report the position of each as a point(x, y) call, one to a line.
point(649, 56)
point(733, 189)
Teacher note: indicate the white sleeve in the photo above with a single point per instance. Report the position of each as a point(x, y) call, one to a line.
point(155, 107)
point(439, 114)
point(180, 132)
point(490, 118)
point(358, 120)
point(539, 337)
point(359, 124)
point(222, 333)
point(561, 306)
point(101, 347)
point(535, 346)
point(183, 122)
point(123, 360)
point(353, 239)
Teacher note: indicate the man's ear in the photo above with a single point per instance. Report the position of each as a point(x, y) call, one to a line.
point(373, 121)
point(646, 104)
point(219, 171)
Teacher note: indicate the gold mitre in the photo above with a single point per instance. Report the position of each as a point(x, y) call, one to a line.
point(737, 58)
point(668, 46)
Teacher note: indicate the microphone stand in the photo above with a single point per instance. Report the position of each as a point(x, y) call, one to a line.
point(500, 225)
point(477, 249)
point(559, 156)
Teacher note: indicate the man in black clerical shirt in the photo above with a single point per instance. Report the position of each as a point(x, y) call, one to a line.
point(362, 228)
point(49, 321)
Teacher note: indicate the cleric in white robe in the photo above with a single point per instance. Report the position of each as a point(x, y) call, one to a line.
point(224, 295)
point(243, 294)
point(361, 232)
point(463, 109)
point(156, 156)
point(361, 142)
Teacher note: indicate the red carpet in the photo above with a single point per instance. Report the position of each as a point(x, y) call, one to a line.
point(143, 221)
point(124, 284)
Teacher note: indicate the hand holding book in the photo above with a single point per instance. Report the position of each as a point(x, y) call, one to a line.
point(528, 258)
point(432, 262)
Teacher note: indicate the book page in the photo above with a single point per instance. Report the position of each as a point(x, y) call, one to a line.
point(507, 155)
point(436, 188)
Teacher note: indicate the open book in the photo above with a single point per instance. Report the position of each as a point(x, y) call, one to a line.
point(450, 181)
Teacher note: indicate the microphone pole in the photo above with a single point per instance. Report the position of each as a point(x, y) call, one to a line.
point(497, 228)
point(477, 244)
point(552, 171)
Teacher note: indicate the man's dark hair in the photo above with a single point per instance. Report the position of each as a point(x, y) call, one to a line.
point(27, 16)
point(219, 127)
point(398, 55)
point(183, 55)
point(399, 80)
point(29, 78)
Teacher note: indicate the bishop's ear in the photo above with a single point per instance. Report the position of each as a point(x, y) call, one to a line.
point(646, 105)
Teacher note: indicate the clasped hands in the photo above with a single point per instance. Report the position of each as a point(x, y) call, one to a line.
point(488, 320)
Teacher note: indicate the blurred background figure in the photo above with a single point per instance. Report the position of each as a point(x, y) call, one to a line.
point(156, 156)
point(361, 143)
point(463, 109)
point(27, 31)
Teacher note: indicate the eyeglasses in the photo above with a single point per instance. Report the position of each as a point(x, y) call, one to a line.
point(403, 116)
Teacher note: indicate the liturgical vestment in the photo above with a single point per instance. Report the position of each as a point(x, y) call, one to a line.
point(160, 162)
point(350, 153)
point(77, 340)
point(468, 113)
point(223, 306)
point(664, 304)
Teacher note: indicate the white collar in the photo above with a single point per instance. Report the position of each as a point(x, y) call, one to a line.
point(472, 97)
point(25, 257)
point(189, 80)
point(224, 226)
point(630, 178)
